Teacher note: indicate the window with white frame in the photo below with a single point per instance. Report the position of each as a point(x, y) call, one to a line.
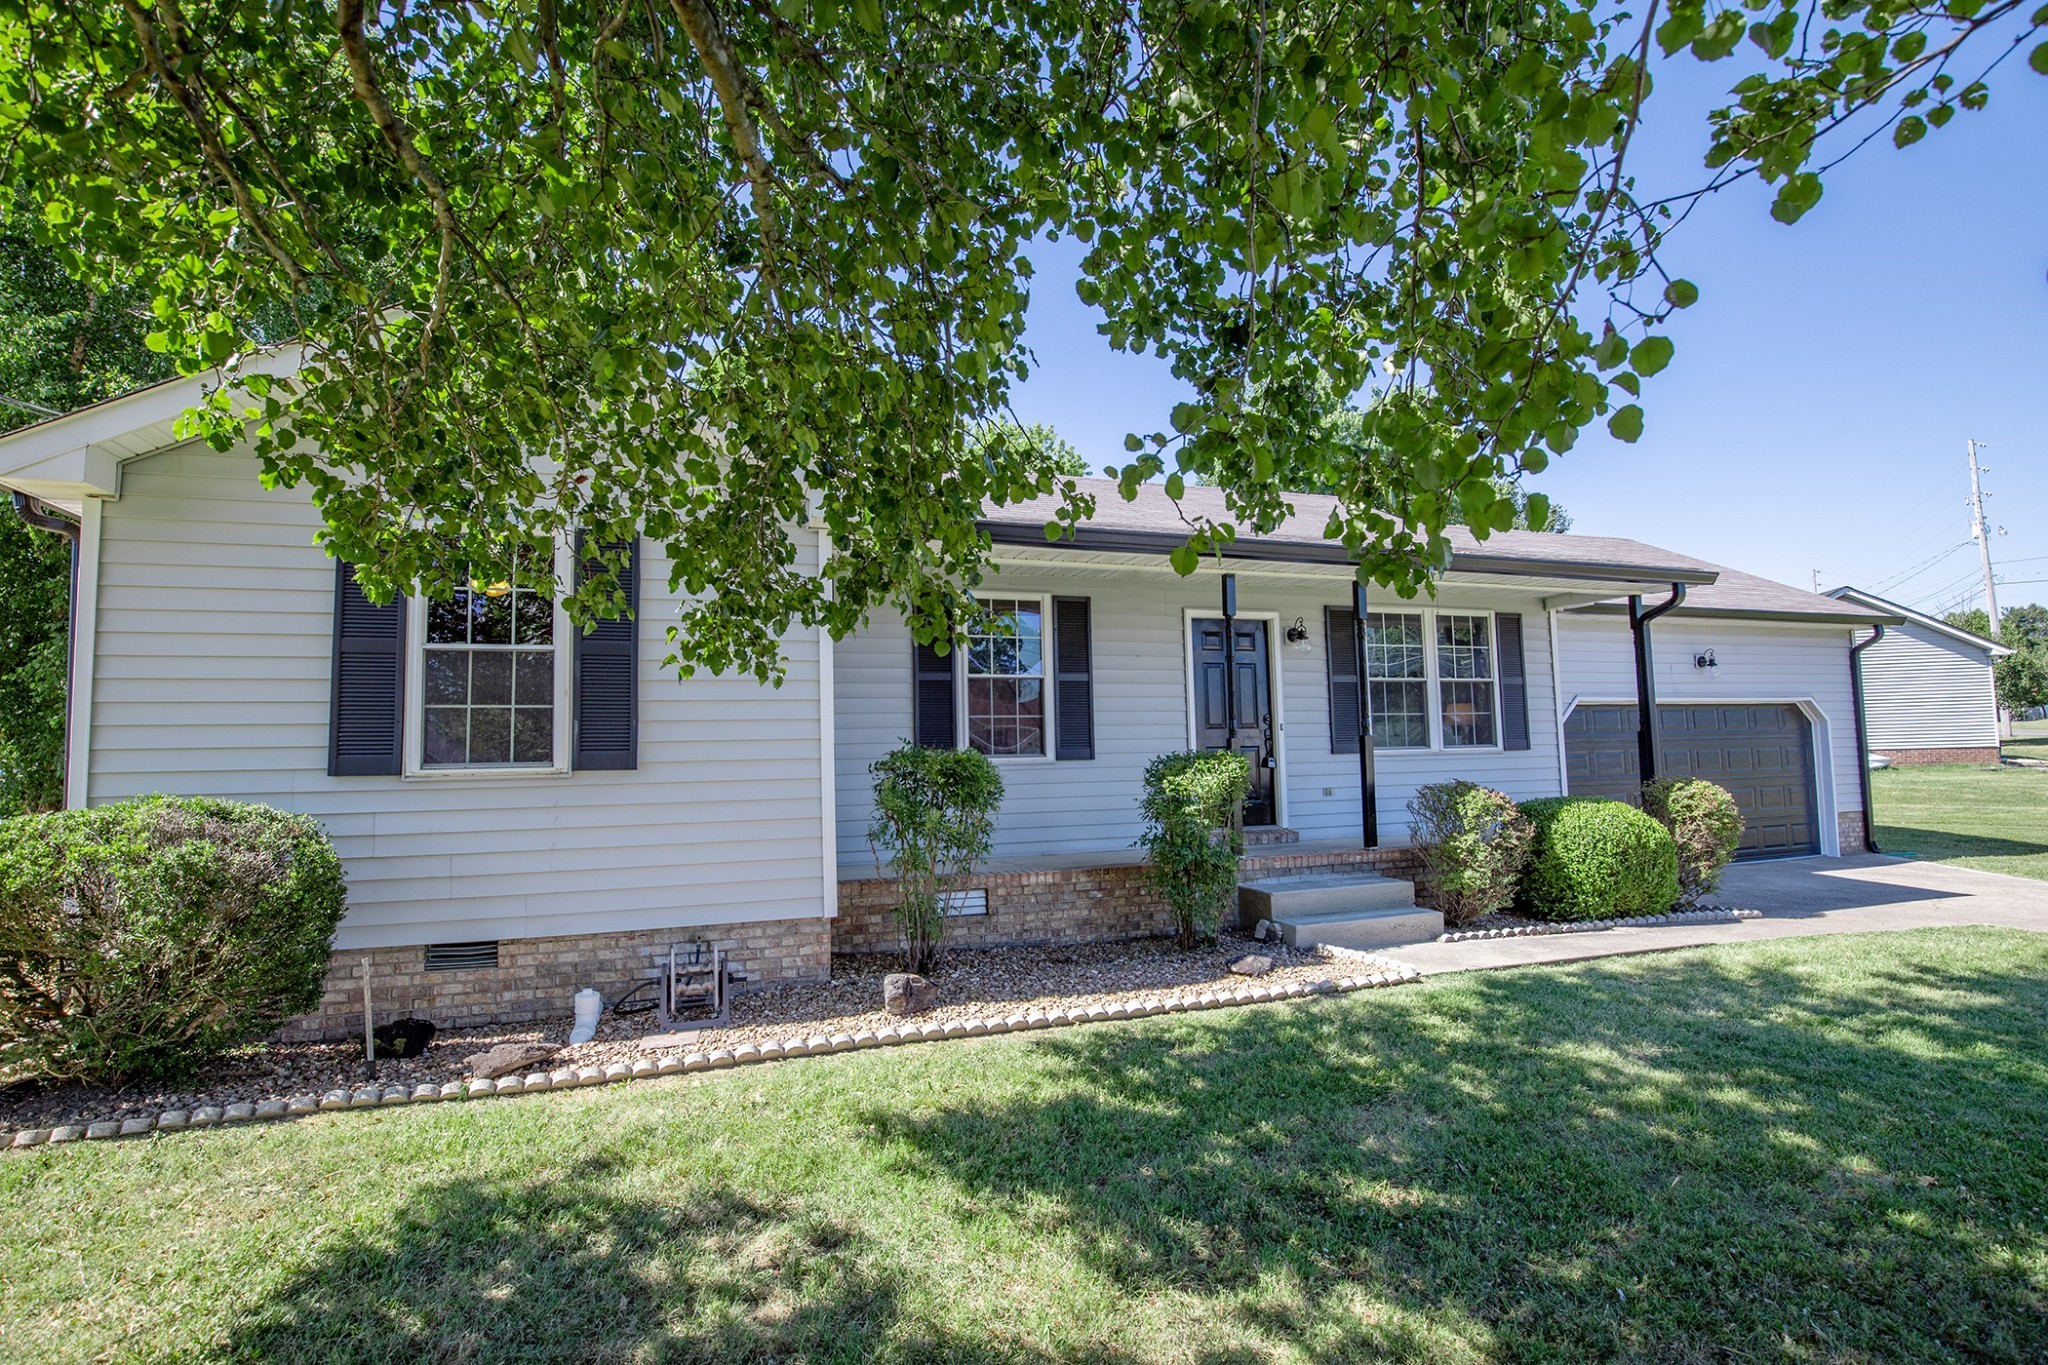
point(1005, 678)
point(489, 674)
point(1430, 679)
point(1397, 679)
point(1465, 684)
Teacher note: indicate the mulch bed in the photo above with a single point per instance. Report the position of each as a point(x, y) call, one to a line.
point(971, 982)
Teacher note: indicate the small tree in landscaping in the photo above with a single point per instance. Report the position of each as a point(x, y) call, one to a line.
point(145, 937)
point(1705, 826)
point(935, 818)
point(1192, 835)
point(1597, 859)
point(1474, 844)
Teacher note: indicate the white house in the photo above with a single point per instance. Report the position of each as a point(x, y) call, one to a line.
point(1928, 687)
point(522, 813)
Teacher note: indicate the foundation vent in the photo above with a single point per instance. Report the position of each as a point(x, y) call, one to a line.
point(461, 957)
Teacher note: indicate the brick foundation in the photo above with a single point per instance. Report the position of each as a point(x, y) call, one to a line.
point(1907, 758)
point(538, 977)
point(1071, 905)
point(1849, 824)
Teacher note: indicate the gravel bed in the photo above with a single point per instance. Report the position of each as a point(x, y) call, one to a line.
point(1504, 925)
point(970, 983)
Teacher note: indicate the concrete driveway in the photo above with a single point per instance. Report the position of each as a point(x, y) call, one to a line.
point(1863, 894)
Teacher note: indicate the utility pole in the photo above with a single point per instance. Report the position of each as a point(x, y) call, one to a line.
point(1982, 532)
point(1816, 582)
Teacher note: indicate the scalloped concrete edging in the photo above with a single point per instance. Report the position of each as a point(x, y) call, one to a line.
point(1386, 973)
point(1706, 914)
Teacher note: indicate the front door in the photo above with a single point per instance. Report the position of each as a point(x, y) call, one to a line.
point(1254, 707)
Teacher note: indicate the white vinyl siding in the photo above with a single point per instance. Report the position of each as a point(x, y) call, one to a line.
point(1755, 661)
point(1140, 658)
point(1924, 690)
point(212, 671)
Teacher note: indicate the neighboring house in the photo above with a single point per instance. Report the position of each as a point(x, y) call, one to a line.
point(1927, 687)
point(522, 812)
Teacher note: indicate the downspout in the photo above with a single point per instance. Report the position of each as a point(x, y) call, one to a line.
point(1646, 680)
point(33, 513)
point(1863, 736)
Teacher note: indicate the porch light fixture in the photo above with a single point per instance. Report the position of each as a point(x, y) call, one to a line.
point(1704, 659)
point(1297, 634)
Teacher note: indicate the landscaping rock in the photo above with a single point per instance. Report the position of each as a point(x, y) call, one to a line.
point(136, 1127)
point(506, 1058)
point(1252, 964)
point(906, 993)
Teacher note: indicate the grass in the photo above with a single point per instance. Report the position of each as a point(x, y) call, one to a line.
point(1819, 1149)
point(2029, 739)
point(1995, 819)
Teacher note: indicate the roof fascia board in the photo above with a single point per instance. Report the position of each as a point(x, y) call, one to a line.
point(1608, 607)
point(1907, 615)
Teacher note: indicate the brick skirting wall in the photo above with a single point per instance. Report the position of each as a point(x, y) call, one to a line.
point(1849, 824)
point(1917, 757)
point(538, 978)
point(1070, 905)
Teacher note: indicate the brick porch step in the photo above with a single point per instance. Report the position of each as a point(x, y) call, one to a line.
point(1261, 836)
point(1360, 910)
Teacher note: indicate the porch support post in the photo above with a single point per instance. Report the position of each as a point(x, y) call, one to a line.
point(1230, 660)
point(1368, 782)
point(1646, 679)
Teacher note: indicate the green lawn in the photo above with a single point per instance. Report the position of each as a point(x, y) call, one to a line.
point(1990, 818)
point(1817, 1150)
point(2029, 739)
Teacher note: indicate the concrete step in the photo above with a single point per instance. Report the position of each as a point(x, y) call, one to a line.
point(1360, 910)
point(1365, 932)
point(1321, 893)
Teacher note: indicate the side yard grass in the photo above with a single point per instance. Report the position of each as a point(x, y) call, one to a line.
point(1820, 1149)
point(1995, 819)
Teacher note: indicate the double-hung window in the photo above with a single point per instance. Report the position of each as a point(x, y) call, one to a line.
point(1397, 679)
point(1430, 679)
point(1005, 678)
point(1464, 668)
point(491, 680)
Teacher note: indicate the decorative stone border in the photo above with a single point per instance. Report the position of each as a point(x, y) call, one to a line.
point(1708, 914)
point(1386, 973)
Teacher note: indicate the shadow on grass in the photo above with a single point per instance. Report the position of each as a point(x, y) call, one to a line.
point(1930, 843)
point(565, 1267)
point(1714, 1158)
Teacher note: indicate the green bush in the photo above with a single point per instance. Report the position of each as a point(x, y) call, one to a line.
point(1192, 838)
point(1597, 859)
point(141, 938)
point(935, 818)
point(1475, 843)
point(1704, 824)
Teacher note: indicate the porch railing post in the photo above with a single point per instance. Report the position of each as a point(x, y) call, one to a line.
point(1230, 661)
point(1646, 680)
point(1368, 782)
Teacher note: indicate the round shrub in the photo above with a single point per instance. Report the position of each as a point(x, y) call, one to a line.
point(1474, 843)
point(1704, 824)
point(141, 938)
point(1597, 859)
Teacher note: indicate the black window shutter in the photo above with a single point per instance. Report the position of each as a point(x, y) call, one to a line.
point(608, 682)
point(1514, 682)
point(932, 697)
point(1073, 678)
point(1340, 647)
point(366, 709)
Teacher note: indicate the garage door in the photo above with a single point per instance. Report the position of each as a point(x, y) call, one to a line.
point(1762, 754)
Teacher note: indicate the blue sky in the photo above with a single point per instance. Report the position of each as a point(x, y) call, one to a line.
point(1824, 385)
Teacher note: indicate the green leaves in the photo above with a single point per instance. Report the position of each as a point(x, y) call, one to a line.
point(2038, 58)
point(1909, 130)
point(1799, 193)
point(1681, 293)
point(1650, 355)
point(1626, 424)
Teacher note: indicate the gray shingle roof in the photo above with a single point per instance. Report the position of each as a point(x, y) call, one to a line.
point(1154, 517)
